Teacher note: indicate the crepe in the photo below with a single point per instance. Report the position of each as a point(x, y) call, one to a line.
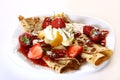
point(63, 64)
point(94, 54)
point(30, 24)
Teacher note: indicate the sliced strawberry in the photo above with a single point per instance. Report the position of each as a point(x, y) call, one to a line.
point(87, 29)
point(35, 52)
point(58, 23)
point(74, 50)
point(47, 21)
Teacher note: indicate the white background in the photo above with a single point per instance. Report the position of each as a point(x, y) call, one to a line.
point(108, 10)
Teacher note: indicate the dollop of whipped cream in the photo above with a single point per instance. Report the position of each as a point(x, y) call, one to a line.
point(67, 33)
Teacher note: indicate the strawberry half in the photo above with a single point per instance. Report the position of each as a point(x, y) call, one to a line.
point(58, 23)
point(96, 36)
point(87, 29)
point(35, 52)
point(47, 21)
point(74, 50)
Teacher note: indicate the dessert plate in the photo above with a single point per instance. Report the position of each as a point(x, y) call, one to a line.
point(21, 61)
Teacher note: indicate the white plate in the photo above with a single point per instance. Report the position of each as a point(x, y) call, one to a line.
point(85, 69)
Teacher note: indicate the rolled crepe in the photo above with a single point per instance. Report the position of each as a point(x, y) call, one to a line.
point(63, 64)
point(98, 57)
point(94, 54)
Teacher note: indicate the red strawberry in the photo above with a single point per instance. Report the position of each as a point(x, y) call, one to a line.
point(25, 39)
point(58, 23)
point(47, 21)
point(96, 35)
point(74, 50)
point(87, 29)
point(35, 52)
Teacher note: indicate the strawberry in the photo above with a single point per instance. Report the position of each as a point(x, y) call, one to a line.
point(87, 29)
point(47, 21)
point(74, 50)
point(25, 40)
point(58, 23)
point(96, 35)
point(35, 52)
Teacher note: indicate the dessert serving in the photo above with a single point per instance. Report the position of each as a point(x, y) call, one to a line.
point(61, 44)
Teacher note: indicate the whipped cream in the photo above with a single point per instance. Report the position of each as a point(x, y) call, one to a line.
point(66, 33)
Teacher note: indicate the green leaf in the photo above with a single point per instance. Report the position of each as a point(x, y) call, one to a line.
point(26, 40)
